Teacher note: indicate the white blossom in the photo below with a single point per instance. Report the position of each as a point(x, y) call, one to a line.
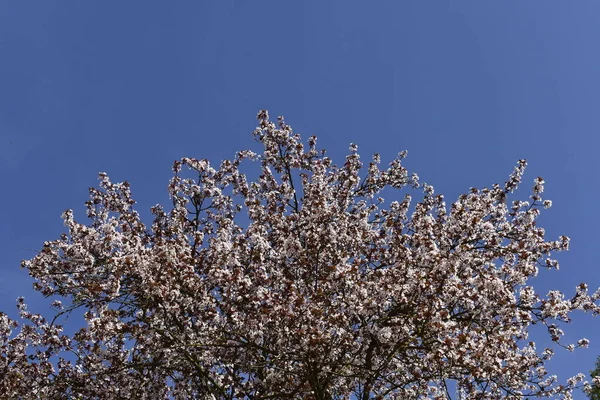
point(323, 293)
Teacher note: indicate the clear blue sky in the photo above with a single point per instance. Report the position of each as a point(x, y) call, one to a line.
point(467, 87)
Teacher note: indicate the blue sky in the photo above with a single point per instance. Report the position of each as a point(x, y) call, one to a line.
point(466, 87)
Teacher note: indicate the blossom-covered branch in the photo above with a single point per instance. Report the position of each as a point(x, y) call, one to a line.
point(299, 284)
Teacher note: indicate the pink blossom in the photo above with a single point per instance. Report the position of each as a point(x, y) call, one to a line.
point(324, 293)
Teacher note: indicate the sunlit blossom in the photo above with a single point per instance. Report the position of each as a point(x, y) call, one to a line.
point(296, 284)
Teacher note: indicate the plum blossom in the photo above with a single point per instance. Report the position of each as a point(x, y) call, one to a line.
point(298, 284)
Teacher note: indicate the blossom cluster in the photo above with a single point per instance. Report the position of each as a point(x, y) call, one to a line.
point(299, 284)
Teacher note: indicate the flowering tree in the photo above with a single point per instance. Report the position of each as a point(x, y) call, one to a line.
point(325, 294)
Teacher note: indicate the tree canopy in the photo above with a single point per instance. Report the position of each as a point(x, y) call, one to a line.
point(301, 283)
point(594, 392)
